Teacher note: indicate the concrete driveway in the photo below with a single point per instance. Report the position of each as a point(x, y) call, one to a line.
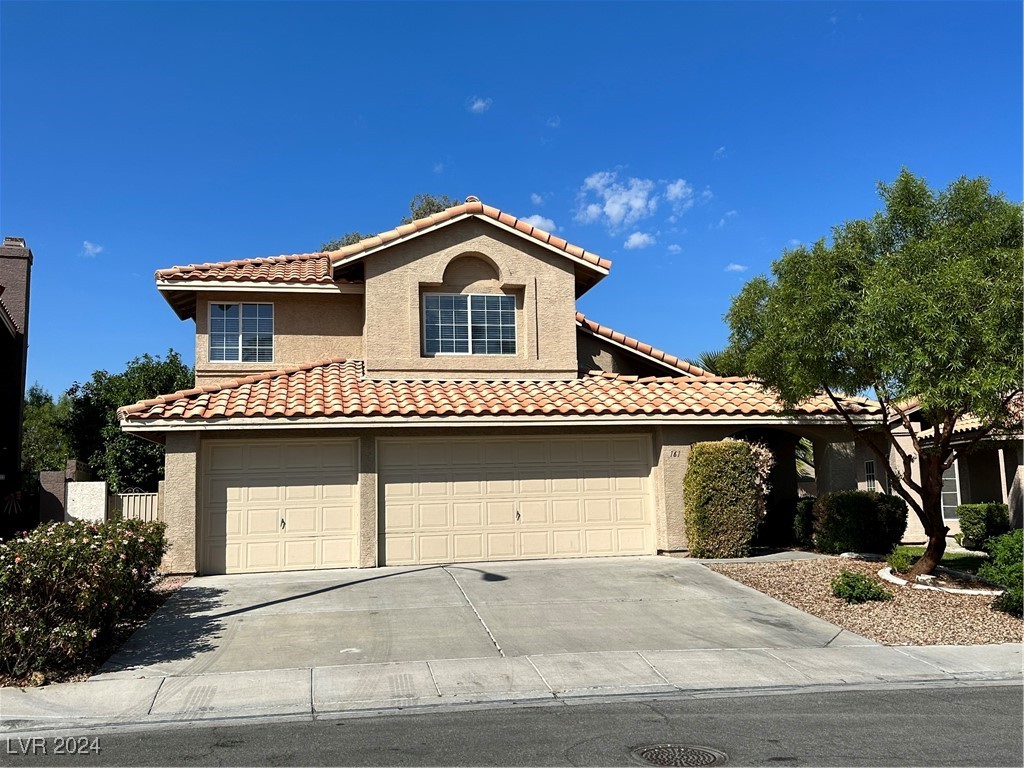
point(344, 617)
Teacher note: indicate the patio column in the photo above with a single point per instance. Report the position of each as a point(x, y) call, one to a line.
point(1002, 478)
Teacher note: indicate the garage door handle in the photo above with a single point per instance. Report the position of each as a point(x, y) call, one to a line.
point(282, 523)
point(517, 515)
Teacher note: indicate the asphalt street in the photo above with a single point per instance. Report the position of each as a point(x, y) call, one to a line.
point(935, 726)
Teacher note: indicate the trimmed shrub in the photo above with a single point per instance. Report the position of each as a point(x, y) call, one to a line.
point(900, 560)
point(979, 523)
point(858, 588)
point(64, 588)
point(858, 521)
point(803, 523)
point(1006, 568)
point(722, 498)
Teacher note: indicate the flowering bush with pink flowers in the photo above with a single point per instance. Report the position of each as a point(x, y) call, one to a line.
point(65, 587)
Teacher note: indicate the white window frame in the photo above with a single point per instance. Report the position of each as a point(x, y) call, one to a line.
point(239, 304)
point(959, 496)
point(469, 322)
point(869, 475)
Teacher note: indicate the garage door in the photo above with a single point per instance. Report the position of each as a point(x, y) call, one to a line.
point(276, 505)
point(460, 500)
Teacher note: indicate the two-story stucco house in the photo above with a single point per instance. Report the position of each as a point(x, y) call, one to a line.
point(431, 395)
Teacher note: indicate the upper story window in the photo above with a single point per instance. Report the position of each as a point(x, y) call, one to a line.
point(464, 324)
point(242, 333)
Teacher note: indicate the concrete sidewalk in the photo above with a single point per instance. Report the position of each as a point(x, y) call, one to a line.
point(308, 693)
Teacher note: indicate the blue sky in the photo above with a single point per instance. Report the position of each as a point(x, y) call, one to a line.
point(689, 142)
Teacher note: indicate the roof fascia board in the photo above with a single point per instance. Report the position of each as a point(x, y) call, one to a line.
point(636, 352)
point(209, 285)
point(9, 323)
point(300, 422)
point(433, 228)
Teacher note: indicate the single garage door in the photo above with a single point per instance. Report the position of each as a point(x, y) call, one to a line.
point(460, 500)
point(279, 505)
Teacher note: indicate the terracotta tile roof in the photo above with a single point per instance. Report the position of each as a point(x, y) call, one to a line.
point(644, 349)
point(338, 388)
point(317, 267)
point(472, 207)
point(297, 268)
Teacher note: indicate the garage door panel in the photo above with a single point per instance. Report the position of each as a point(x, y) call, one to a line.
point(335, 519)
point(533, 513)
point(632, 540)
point(501, 513)
point(264, 555)
point(572, 496)
point(434, 548)
point(260, 521)
point(566, 511)
point(300, 520)
point(501, 545)
point(468, 546)
point(251, 486)
point(225, 457)
point(567, 543)
point(338, 552)
point(433, 516)
point(468, 514)
point(298, 553)
point(599, 541)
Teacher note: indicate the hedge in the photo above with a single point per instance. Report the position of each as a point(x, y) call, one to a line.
point(722, 499)
point(858, 521)
point(65, 587)
point(979, 523)
point(803, 523)
point(1006, 568)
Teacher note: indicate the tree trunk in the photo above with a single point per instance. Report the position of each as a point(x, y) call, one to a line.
point(931, 517)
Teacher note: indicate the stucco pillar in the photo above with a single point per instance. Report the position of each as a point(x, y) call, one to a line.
point(367, 501)
point(180, 501)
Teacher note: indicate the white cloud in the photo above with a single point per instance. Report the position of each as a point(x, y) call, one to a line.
point(91, 249)
point(554, 122)
point(720, 153)
point(675, 248)
point(617, 204)
point(725, 217)
point(438, 167)
point(540, 222)
point(478, 105)
point(639, 240)
point(794, 243)
point(536, 199)
point(706, 195)
point(680, 194)
point(733, 267)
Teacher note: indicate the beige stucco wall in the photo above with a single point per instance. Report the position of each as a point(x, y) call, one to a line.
point(543, 283)
point(180, 501)
point(307, 327)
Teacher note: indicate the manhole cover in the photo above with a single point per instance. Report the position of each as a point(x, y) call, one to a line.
point(678, 754)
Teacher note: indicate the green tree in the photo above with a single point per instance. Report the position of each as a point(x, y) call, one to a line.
point(721, 362)
point(45, 444)
point(921, 302)
point(124, 461)
point(420, 207)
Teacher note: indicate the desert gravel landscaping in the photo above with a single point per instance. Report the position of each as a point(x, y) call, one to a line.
point(913, 617)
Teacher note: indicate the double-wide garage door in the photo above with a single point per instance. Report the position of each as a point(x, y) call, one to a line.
point(279, 505)
point(460, 500)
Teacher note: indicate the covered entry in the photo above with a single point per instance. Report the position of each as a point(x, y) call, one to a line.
point(507, 498)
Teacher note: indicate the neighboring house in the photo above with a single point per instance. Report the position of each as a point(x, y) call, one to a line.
point(431, 395)
point(987, 470)
point(15, 276)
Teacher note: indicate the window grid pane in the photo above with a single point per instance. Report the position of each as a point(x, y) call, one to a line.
point(242, 332)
